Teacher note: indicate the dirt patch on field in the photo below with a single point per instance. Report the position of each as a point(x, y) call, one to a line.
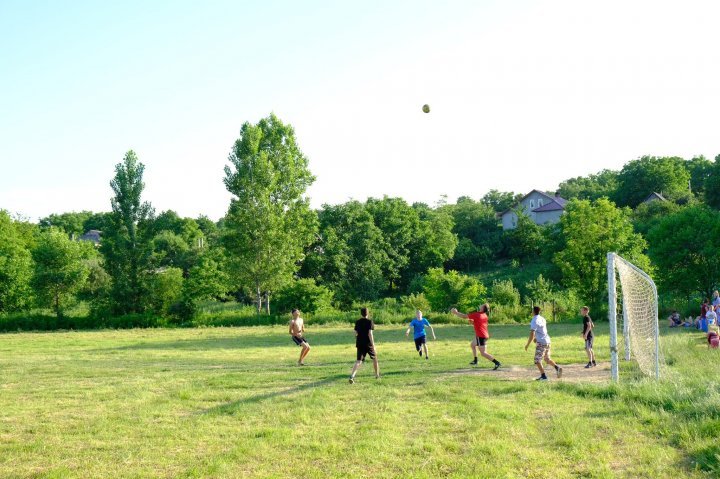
point(572, 373)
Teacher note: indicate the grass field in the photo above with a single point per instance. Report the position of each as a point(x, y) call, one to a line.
point(229, 402)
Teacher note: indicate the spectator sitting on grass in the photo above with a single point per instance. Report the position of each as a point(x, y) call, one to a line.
point(674, 319)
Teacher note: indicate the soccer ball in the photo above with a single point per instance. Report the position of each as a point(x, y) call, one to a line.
point(426, 108)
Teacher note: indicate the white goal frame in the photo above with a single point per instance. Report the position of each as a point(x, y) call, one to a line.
point(612, 258)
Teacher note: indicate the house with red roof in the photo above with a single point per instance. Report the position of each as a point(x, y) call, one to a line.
point(541, 207)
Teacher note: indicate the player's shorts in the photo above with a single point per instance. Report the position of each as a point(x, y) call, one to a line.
point(541, 351)
point(589, 342)
point(420, 341)
point(480, 341)
point(299, 341)
point(365, 350)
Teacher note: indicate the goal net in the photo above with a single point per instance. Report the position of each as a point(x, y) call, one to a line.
point(636, 299)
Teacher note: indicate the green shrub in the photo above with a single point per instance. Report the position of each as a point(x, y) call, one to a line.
point(505, 293)
point(445, 290)
point(305, 295)
point(413, 302)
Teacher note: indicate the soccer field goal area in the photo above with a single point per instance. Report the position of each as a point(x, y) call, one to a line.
point(636, 301)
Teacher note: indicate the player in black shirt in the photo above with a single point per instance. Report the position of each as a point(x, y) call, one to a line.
point(365, 344)
point(588, 336)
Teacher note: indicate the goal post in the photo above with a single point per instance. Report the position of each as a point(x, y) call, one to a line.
point(639, 303)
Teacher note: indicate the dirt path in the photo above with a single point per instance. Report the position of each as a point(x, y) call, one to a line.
point(572, 373)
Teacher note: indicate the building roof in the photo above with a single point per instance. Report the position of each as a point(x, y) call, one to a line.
point(92, 235)
point(654, 196)
point(559, 203)
point(555, 204)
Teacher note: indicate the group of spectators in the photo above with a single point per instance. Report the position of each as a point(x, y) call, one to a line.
point(708, 319)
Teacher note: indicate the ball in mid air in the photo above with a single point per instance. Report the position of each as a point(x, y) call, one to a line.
point(426, 108)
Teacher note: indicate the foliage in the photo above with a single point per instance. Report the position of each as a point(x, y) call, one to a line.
point(505, 293)
point(500, 201)
point(452, 289)
point(305, 295)
point(525, 241)
point(684, 246)
point(59, 270)
point(712, 184)
point(167, 288)
point(269, 222)
point(415, 301)
point(73, 224)
point(591, 187)
point(639, 178)
point(349, 256)
point(124, 246)
point(16, 267)
point(591, 230)
point(478, 223)
point(700, 169)
point(647, 215)
point(540, 290)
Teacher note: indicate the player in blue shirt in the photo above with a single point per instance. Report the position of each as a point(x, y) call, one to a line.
point(418, 325)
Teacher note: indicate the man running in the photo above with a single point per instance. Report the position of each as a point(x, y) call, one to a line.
point(365, 344)
point(479, 320)
point(539, 334)
point(418, 325)
point(297, 328)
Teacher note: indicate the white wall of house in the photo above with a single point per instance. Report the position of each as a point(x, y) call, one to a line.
point(548, 217)
point(534, 200)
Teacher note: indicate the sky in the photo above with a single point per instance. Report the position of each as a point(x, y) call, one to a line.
point(523, 94)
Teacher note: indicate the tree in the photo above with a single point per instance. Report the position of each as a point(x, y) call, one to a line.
point(269, 222)
point(15, 267)
point(639, 178)
point(590, 231)
point(434, 243)
point(647, 215)
point(477, 222)
point(445, 290)
point(124, 246)
point(59, 269)
point(591, 187)
point(684, 246)
point(700, 169)
point(525, 241)
point(73, 224)
point(167, 287)
point(349, 255)
point(712, 184)
point(305, 295)
point(500, 201)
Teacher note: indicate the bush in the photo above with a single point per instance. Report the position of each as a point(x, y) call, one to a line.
point(445, 290)
point(414, 302)
point(166, 289)
point(305, 295)
point(505, 293)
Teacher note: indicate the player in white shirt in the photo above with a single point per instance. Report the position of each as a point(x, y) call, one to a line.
point(538, 332)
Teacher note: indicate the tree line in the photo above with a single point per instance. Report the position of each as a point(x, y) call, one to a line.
point(272, 248)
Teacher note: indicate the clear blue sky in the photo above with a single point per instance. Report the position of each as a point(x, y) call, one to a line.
point(523, 94)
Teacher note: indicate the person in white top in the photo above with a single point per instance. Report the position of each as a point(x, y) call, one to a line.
point(539, 334)
point(711, 317)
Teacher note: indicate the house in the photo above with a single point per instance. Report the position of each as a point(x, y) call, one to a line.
point(92, 235)
point(541, 207)
point(654, 196)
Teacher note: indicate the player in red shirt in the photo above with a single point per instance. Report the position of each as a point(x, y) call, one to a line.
point(479, 320)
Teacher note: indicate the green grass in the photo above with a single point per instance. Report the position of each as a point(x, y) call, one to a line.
point(229, 402)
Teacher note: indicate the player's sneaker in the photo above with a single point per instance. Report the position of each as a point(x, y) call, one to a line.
point(588, 365)
point(352, 381)
point(420, 352)
point(542, 378)
point(497, 366)
point(594, 363)
point(473, 362)
point(559, 371)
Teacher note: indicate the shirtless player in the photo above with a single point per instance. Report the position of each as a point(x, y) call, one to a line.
point(297, 328)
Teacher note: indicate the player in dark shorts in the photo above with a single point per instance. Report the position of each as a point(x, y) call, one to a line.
point(479, 320)
point(297, 331)
point(365, 344)
point(418, 325)
point(588, 336)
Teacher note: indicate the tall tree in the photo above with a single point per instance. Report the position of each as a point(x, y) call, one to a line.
point(684, 247)
point(72, 224)
point(15, 267)
point(591, 187)
point(700, 169)
point(590, 231)
point(500, 201)
point(124, 245)
point(712, 184)
point(269, 222)
point(60, 271)
point(639, 178)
